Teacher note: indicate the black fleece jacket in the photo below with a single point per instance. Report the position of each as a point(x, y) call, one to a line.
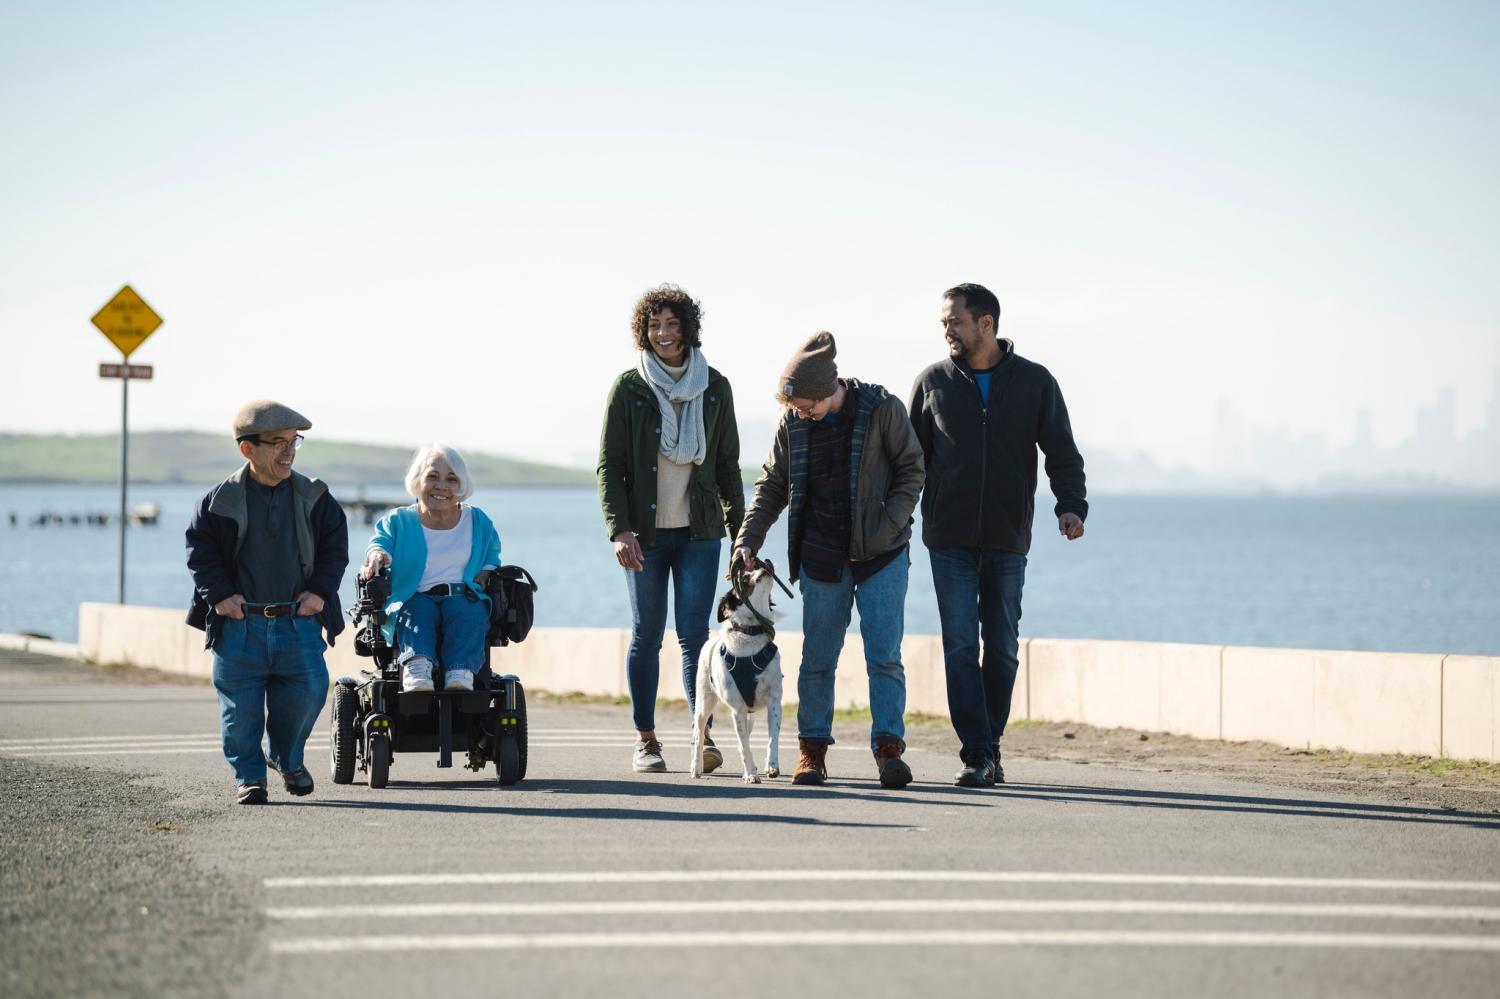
point(981, 460)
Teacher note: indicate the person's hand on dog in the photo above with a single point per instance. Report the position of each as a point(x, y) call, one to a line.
point(308, 604)
point(1070, 526)
point(374, 559)
point(232, 607)
point(628, 551)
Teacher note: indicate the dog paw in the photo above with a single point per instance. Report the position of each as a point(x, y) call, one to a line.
point(752, 778)
point(773, 772)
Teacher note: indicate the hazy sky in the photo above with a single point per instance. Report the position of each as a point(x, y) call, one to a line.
point(431, 220)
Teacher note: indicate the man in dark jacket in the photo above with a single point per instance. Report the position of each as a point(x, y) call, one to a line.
point(848, 467)
point(267, 549)
point(980, 416)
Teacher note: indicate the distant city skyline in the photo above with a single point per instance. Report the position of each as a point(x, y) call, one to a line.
point(1433, 451)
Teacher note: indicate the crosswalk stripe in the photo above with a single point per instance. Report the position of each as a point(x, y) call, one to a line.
point(84, 739)
point(823, 874)
point(760, 906)
point(887, 938)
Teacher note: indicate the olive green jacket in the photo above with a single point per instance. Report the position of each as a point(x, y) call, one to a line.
point(628, 449)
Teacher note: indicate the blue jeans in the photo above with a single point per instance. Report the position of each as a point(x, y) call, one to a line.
point(882, 622)
point(694, 569)
point(271, 680)
point(979, 596)
point(448, 630)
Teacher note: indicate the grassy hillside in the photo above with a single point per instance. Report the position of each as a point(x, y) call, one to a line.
point(189, 456)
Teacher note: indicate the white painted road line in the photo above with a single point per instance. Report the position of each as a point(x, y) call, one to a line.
point(134, 749)
point(761, 906)
point(821, 874)
point(83, 739)
point(886, 938)
point(190, 744)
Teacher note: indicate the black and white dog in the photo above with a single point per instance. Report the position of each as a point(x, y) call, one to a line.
point(741, 667)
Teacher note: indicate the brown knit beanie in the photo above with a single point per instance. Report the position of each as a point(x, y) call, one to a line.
point(811, 373)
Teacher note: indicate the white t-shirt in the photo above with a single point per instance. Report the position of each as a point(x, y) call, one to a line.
point(447, 553)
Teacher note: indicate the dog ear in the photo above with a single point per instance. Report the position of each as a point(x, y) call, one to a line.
point(727, 605)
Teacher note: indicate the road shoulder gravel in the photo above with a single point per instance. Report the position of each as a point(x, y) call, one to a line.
point(101, 896)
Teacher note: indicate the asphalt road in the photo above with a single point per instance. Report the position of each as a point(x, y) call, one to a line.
point(127, 870)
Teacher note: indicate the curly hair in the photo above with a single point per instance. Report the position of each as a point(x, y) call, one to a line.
point(667, 296)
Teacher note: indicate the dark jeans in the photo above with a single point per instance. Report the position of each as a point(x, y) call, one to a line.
point(979, 597)
point(694, 568)
point(271, 681)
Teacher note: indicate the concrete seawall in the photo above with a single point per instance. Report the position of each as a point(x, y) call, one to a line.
point(1432, 705)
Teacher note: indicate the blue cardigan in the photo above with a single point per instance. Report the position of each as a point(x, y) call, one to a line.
point(399, 535)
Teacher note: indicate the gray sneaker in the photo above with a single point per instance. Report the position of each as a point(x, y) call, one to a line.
point(648, 758)
point(712, 758)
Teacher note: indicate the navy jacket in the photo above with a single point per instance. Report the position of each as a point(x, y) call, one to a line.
point(213, 546)
point(981, 459)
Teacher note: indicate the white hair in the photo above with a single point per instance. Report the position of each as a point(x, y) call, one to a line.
point(455, 461)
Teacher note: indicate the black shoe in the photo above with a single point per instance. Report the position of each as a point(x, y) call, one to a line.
point(298, 782)
point(253, 793)
point(999, 770)
point(979, 773)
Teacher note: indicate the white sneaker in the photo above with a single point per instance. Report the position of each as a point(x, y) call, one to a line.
point(416, 674)
point(458, 679)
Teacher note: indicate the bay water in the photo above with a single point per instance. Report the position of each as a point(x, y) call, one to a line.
point(1391, 574)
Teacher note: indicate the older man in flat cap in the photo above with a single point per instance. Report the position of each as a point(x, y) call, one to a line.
point(267, 549)
point(847, 465)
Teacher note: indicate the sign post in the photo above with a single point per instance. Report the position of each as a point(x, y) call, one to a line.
point(127, 321)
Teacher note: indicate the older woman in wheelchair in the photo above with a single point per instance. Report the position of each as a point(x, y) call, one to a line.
point(441, 552)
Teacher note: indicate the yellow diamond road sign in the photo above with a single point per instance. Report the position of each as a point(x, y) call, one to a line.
point(126, 320)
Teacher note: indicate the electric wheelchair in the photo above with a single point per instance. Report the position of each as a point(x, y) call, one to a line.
point(373, 718)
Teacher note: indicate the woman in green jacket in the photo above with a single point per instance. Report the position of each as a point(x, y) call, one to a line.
point(669, 485)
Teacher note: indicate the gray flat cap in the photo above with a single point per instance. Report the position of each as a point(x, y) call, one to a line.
point(263, 416)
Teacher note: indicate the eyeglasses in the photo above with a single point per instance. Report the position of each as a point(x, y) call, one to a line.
point(291, 445)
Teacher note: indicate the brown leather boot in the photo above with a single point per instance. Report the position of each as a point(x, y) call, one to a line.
point(810, 766)
point(894, 773)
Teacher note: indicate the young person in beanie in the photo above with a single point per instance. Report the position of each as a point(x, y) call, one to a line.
point(981, 414)
point(267, 549)
point(669, 487)
point(848, 468)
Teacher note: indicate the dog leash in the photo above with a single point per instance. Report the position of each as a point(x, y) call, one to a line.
point(739, 580)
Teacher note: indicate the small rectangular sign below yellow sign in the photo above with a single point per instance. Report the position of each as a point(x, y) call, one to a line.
point(127, 320)
point(135, 372)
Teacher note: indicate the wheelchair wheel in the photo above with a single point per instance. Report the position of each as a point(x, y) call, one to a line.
point(521, 728)
point(380, 760)
point(507, 761)
point(341, 743)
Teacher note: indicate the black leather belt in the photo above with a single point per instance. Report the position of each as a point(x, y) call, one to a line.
point(447, 590)
point(270, 610)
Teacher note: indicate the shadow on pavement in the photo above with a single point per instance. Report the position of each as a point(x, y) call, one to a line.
point(510, 800)
point(725, 788)
point(1129, 798)
point(625, 814)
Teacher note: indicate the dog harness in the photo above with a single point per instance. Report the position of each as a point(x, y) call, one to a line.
point(746, 670)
